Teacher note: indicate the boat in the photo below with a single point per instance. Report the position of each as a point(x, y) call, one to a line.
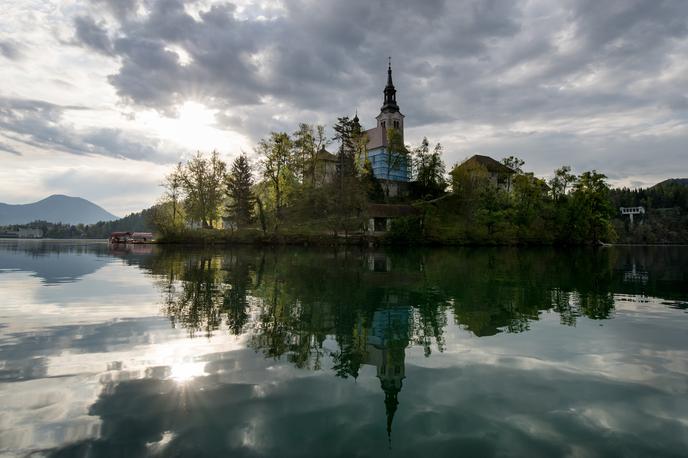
point(131, 237)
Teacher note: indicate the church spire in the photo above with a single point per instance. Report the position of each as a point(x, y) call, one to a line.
point(390, 103)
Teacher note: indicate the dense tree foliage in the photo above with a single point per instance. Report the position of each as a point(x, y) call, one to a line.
point(528, 211)
point(428, 170)
point(303, 190)
point(239, 184)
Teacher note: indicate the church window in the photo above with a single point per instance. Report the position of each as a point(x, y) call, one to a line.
point(396, 124)
point(382, 124)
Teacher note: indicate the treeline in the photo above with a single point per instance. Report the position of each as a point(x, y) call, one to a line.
point(302, 188)
point(666, 213)
point(139, 222)
point(295, 188)
point(567, 209)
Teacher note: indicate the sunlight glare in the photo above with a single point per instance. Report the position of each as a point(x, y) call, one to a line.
point(184, 372)
point(195, 129)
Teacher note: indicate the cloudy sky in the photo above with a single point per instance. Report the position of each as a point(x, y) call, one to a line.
point(99, 98)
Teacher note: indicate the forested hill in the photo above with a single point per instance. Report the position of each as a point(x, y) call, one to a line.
point(671, 193)
point(56, 208)
point(672, 182)
point(140, 221)
point(666, 217)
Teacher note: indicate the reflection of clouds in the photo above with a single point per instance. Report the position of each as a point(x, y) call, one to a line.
point(485, 409)
point(113, 291)
point(495, 396)
point(53, 263)
point(638, 348)
point(95, 369)
point(83, 362)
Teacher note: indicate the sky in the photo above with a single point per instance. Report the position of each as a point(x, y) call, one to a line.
point(100, 98)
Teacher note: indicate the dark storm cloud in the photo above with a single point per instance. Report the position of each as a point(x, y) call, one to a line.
point(325, 64)
point(483, 63)
point(121, 9)
point(41, 124)
point(447, 56)
point(92, 34)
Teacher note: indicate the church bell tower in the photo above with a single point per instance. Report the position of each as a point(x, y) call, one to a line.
point(390, 116)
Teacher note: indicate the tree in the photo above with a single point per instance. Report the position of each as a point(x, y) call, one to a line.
point(173, 189)
point(239, 183)
point(562, 180)
point(514, 163)
point(429, 169)
point(276, 162)
point(346, 134)
point(371, 184)
point(592, 209)
point(469, 180)
point(396, 154)
point(346, 208)
point(202, 183)
point(529, 193)
point(307, 141)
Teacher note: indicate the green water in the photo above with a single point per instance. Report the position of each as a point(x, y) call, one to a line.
point(297, 352)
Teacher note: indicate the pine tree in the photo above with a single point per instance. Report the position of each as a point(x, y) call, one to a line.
point(239, 183)
point(345, 132)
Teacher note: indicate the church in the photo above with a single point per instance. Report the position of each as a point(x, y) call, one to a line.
point(393, 174)
point(389, 118)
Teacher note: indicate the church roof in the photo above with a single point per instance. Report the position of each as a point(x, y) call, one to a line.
point(377, 137)
point(324, 155)
point(490, 164)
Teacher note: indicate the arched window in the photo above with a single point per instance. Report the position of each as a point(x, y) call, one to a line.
point(396, 124)
point(382, 123)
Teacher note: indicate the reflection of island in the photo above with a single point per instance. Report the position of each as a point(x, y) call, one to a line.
point(375, 304)
point(123, 249)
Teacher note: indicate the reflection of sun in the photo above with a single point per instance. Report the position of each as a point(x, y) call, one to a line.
point(183, 372)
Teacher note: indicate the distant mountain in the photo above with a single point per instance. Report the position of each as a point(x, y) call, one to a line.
point(56, 208)
point(672, 181)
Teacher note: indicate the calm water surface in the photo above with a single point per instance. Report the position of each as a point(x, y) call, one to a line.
point(295, 352)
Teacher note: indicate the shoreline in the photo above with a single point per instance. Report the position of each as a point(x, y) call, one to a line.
point(365, 241)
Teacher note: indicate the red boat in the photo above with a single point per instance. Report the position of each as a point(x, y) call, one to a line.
point(131, 237)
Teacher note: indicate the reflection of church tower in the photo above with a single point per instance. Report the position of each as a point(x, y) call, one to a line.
point(391, 375)
point(387, 341)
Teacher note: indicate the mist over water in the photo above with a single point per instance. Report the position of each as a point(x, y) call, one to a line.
point(300, 352)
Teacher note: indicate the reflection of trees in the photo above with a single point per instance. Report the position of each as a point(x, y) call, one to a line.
point(289, 302)
point(373, 305)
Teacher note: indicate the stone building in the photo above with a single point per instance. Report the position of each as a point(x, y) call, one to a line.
point(380, 216)
point(325, 167)
point(498, 174)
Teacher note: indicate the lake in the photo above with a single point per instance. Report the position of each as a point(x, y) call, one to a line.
point(150, 350)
